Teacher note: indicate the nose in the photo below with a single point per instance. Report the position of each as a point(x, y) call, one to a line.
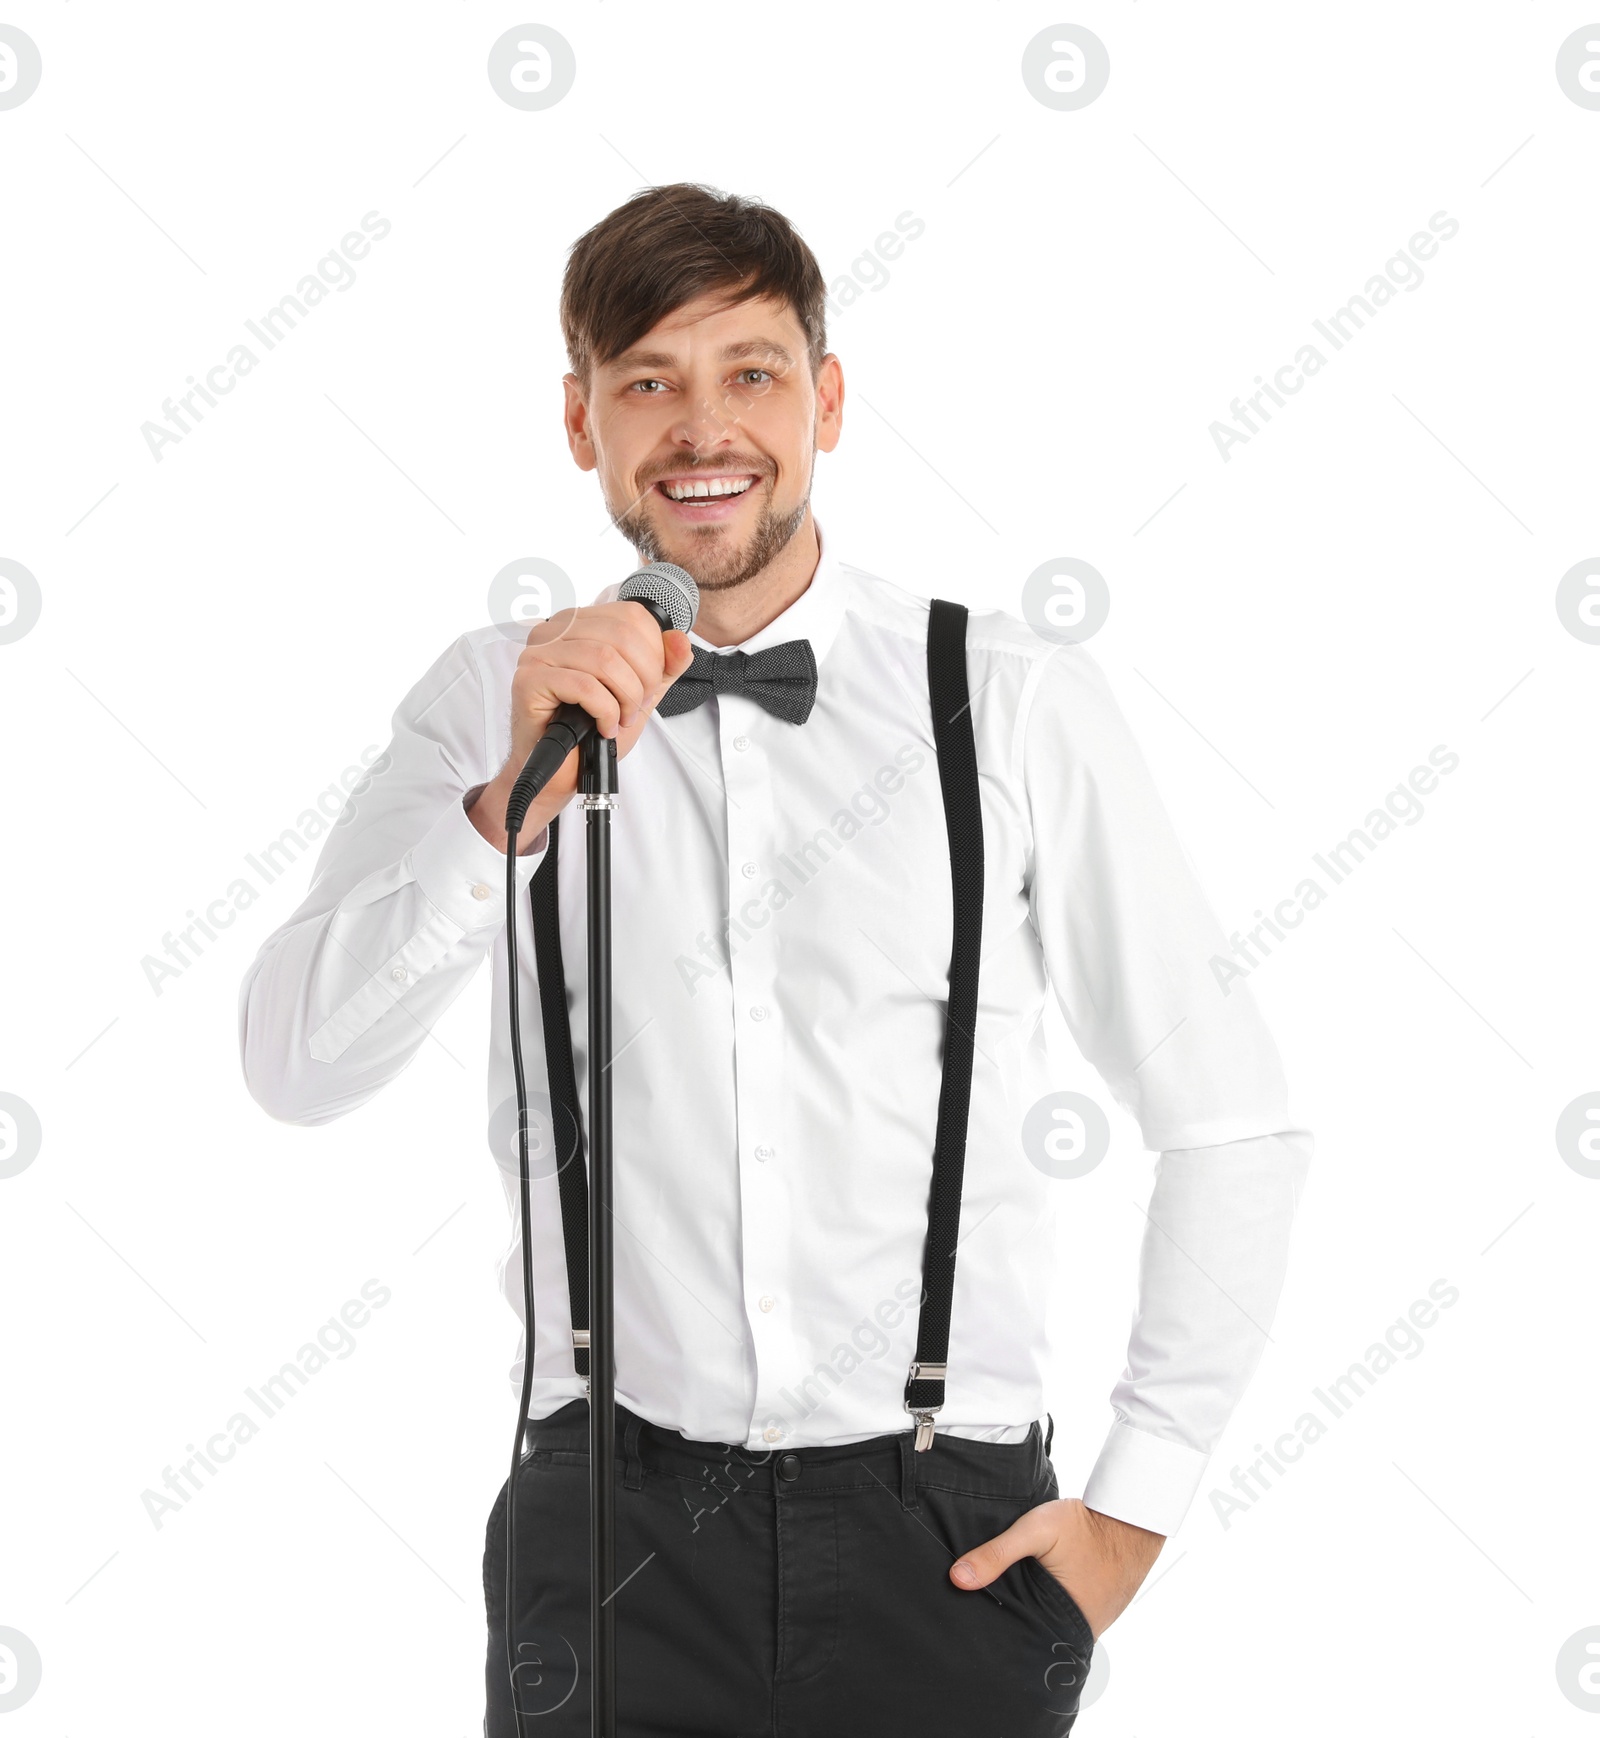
point(704, 428)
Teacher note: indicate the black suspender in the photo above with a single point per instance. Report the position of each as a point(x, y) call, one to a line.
point(566, 1123)
point(958, 782)
point(963, 817)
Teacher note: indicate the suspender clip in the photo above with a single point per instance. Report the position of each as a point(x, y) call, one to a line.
point(925, 1371)
point(580, 1343)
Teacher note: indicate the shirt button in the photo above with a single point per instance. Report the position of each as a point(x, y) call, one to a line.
point(751, 870)
point(763, 1154)
point(758, 1012)
point(481, 891)
point(768, 1305)
point(741, 743)
point(772, 1433)
point(399, 974)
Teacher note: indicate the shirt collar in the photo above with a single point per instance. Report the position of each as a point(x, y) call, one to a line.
point(815, 615)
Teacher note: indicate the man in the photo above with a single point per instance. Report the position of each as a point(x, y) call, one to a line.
point(795, 1552)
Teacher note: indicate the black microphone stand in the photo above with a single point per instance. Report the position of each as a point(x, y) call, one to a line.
point(672, 598)
point(597, 783)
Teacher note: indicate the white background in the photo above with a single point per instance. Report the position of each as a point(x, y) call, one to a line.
point(1291, 632)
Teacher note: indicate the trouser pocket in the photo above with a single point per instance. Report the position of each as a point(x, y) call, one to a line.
point(916, 1653)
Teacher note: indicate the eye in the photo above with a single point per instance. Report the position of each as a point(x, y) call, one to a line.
point(766, 377)
point(643, 387)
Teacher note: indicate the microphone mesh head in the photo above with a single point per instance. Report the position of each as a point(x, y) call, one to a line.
point(664, 583)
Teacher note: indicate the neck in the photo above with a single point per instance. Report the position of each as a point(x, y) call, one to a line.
point(728, 616)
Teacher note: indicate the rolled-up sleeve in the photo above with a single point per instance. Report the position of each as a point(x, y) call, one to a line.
point(1132, 949)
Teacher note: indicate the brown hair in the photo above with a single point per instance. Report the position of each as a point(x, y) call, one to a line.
point(668, 245)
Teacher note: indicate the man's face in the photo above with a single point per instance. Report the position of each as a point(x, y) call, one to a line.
point(705, 434)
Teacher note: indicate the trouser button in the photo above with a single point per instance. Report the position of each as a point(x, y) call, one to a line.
point(789, 1467)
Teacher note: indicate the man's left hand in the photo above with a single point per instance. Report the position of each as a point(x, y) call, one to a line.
point(1100, 1561)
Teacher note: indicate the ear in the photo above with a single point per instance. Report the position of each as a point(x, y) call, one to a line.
point(830, 403)
point(575, 417)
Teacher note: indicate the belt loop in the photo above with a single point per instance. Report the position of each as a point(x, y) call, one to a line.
point(633, 1472)
point(1049, 1435)
point(908, 1470)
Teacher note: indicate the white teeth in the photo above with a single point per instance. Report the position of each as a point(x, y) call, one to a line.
point(706, 488)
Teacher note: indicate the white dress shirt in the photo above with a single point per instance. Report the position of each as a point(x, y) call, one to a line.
point(781, 949)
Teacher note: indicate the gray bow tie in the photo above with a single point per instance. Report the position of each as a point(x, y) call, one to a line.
point(782, 678)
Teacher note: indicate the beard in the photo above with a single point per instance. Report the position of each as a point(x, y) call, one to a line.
point(716, 560)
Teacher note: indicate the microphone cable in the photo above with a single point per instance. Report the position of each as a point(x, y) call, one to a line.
point(527, 1265)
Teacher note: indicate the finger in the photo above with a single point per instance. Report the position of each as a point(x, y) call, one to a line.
point(638, 624)
point(563, 683)
point(601, 659)
point(629, 675)
point(640, 635)
point(1028, 1536)
point(633, 629)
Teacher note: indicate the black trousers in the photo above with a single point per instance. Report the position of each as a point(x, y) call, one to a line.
point(800, 1594)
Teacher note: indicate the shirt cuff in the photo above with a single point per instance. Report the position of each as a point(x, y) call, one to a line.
point(463, 875)
point(1144, 1480)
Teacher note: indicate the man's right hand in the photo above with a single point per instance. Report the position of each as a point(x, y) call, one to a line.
point(609, 658)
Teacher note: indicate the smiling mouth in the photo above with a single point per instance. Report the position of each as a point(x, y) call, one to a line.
point(705, 488)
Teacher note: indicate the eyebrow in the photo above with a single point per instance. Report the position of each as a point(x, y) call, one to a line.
point(766, 347)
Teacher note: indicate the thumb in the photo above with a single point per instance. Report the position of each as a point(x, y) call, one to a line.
point(1028, 1536)
point(680, 655)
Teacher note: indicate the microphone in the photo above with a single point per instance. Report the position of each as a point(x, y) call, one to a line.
point(673, 598)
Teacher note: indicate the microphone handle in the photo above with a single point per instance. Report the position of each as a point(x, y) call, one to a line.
point(568, 727)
